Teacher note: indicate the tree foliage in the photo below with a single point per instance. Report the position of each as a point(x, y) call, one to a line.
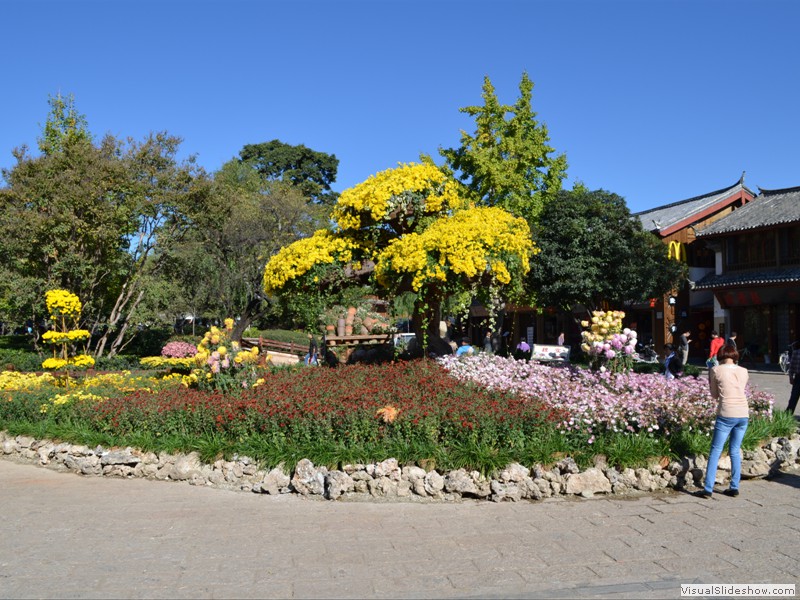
point(96, 220)
point(246, 221)
point(508, 161)
point(408, 229)
point(593, 250)
point(310, 171)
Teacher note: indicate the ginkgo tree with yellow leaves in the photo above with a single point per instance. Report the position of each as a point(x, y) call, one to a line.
point(410, 229)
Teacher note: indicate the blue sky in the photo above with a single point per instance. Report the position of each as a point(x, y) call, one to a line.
point(657, 101)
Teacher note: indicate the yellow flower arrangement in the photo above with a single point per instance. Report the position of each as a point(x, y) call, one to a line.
point(296, 259)
point(406, 189)
point(12, 381)
point(66, 337)
point(61, 303)
point(469, 244)
point(162, 362)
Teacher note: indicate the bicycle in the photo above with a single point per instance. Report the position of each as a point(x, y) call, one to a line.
point(747, 355)
point(785, 359)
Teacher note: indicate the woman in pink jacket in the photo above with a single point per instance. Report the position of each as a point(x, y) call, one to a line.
point(727, 383)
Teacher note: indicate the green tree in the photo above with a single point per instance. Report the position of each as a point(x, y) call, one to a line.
point(593, 250)
point(310, 171)
point(95, 220)
point(508, 161)
point(246, 221)
point(409, 229)
point(64, 125)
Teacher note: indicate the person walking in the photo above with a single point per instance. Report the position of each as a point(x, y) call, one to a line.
point(794, 381)
point(727, 384)
point(716, 343)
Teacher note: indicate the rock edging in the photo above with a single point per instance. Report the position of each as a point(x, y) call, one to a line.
point(390, 480)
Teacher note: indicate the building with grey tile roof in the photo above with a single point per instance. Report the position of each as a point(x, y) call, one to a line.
point(669, 218)
point(771, 208)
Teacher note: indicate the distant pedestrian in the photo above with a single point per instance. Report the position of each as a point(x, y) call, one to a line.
point(561, 339)
point(716, 345)
point(794, 381)
point(487, 342)
point(727, 384)
point(523, 346)
point(465, 348)
point(312, 358)
point(673, 367)
point(683, 346)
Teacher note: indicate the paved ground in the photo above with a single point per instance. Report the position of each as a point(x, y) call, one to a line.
point(66, 536)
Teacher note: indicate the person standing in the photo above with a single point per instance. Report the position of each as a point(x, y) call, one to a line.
point(794, 381)
point(716, 343)
point(487, 342)
point(683, 346)
point(727, 383)
point(313, 351)
point(561, 339)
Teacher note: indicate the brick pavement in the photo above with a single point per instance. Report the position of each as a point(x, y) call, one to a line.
point(67, 536)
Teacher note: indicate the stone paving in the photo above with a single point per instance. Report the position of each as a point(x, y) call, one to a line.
point(67, 536)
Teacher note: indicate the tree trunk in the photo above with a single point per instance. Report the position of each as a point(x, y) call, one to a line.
point(252, 311)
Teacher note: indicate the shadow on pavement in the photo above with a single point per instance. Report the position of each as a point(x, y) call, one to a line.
point(790, 479)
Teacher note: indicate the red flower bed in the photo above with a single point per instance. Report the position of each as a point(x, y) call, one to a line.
point(341, 405)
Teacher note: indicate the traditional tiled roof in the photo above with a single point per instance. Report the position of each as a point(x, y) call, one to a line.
point(768, 209)
point(749, 278)
point(662, 218)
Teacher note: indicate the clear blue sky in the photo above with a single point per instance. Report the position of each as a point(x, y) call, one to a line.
point(657, 101)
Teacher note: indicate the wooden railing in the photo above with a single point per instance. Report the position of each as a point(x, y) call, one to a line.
point(267, 344)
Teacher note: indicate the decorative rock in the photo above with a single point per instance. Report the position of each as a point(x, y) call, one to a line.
point(337, 483)
point(752, 469)
point(591, 480)
point(505, 491)
point(645, 481)
point(434, 484)
point(413, 473)
point(119, 457)
point(185, 467)
point(514, 472)
point(307, 479)
point(568, 465)
point(387, 479)
point(274, 481)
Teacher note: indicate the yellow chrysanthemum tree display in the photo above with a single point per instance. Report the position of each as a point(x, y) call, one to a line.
point(65, 313)
point(410, 229)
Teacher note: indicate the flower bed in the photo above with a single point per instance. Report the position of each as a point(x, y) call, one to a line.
point(603, 401)
point(479, 413)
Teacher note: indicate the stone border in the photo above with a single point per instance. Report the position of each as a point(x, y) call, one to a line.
point(389, 480)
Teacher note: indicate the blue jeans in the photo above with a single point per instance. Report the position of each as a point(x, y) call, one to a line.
point(724, 427)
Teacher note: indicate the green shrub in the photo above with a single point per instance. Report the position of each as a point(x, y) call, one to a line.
point(149, 342)
point(20, 360)
point(16, 342)
point(119, 362)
